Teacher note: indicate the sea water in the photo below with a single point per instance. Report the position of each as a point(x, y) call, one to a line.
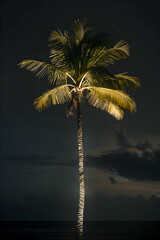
point(109, 230)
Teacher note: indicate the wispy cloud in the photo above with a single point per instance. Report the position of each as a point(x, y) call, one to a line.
point(37, 160)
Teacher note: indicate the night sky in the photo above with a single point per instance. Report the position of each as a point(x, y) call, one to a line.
point(38, 151)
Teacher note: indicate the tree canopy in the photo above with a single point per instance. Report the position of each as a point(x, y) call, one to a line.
point(79, 67)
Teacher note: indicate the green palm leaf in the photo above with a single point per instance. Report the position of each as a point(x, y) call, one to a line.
point(122, 46)
point(63, 58)
point(101, 77)
point(58, 37)
point(42, 68)
point(120, 50)
point(58, 95)
point(127, 81)
point(83, 58)
point(81, 30)
point(38, 67)
point(109, 107)
point(108, 56)
point(115, 111)
point(116, 97)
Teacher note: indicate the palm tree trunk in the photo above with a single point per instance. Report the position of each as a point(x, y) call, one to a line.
point(81, 172)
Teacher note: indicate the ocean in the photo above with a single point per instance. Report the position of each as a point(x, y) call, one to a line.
point(51, 230)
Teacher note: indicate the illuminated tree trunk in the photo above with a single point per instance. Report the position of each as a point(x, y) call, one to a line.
point(81, 173)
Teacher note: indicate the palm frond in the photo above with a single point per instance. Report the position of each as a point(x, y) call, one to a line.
point(116, 97)
point(117, 52)
point(127, 81)
point(58, 95)
point(62, 59)
point(42, 68)
point(101, 77)
point(38, 67)
point(109, 107)
point(122, 47)
point(115, 111)
point(81, 30)
point(96, 56)
point(101, 55)
point(58, 37)
point(93, 49)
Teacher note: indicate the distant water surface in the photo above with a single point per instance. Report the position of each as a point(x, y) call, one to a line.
point(51, 230)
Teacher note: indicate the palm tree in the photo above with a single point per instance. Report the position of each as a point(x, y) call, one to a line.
point(78, 68)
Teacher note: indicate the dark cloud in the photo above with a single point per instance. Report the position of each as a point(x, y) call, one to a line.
point(130, 164)
point(143, 146)
point(127, 164)
point(112, 180)
point(148, 155)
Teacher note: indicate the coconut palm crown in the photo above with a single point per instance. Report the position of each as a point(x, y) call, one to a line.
point(78, 69)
